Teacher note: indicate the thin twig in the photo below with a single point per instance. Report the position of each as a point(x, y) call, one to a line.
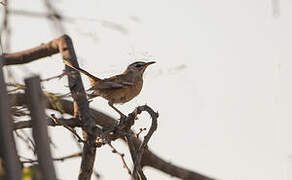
point(55, 16)
point(72, 130)
point(19, 111)
point(114, 150)
point(71, 122)
point(54, 159)
point(56, 77)
point(35, 14)
point(137, 160)
point(149, 158)
point(140, 131)
point(27, 141)
point(17, 86)
point(68, 157)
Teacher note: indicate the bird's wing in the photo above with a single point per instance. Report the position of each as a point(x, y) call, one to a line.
point(115, 82)
point(111, 85)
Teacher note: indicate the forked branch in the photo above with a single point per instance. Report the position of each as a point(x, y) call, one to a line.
point(88, 118)
point(137, 171)
point(64, 46)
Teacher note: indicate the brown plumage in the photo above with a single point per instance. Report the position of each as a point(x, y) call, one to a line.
point(120, 88)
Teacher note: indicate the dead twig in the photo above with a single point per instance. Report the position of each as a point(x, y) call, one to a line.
point(71, 122)
point(17, 86)
point(114, 150)
point(137, 171)
point(30, 161)
point(56, 77)
point(55, 16)
point(64, 46)
point(35, 14)
point(148, 159)
point(140, 131)
point(72, 130)
point(26, 139)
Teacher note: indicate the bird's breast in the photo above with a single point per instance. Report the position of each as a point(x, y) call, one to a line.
point(123, 95)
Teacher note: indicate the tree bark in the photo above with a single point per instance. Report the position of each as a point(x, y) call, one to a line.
point(149, 159)
point(8, 149)
point(36, 105)
point(64, 45)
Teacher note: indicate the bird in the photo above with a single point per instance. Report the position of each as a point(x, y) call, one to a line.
point(117, 89)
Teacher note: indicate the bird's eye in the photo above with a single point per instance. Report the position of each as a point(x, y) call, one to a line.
point(138, 65)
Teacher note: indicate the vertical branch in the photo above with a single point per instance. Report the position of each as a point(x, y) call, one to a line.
point(5, 29)
point(276, 8)
point(81, 109)
point(55, 17)
point(36, 106)
point(137, 154)
point(64, 46)
point(8, 149)
point(5, 37)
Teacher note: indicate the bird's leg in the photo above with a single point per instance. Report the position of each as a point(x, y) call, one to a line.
point(118, 111)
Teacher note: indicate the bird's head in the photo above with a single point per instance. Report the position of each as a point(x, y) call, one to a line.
point(138, 67)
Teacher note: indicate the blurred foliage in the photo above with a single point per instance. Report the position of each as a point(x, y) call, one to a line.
point(31, 173)
point(54, 101)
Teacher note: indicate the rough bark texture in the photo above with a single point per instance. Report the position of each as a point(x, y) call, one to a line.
point(8, 149)
point(29, 55)
point(81, 108)
point(148, 159)
point(64, 45)
point(36, 105)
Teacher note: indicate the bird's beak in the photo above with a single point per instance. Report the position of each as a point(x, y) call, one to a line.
point(149, 63)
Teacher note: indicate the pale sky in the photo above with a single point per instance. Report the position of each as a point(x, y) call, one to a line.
point(222, 82)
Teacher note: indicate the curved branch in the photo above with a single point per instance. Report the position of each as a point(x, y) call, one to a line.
point(32, 54)
point(137, 160)
point(148, 159)
point(64, 46)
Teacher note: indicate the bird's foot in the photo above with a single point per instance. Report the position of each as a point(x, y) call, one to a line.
point(122, 116)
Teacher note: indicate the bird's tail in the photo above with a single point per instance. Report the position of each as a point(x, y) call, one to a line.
point(93, 80)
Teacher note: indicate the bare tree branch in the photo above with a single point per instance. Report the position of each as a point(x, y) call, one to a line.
point(81, 110)
point(55, 17)
point(72, 130)
point(36, 106)
point(140, 131)
point(28, 141)
point(72, 122)
point(65, 47)
point(56, 77)
point(137, 160)
point(39, 14)
point(36, 53)
point(101, 119)
point(54, 159)
point(5, 30)
point(114, 150)
point(8, 149)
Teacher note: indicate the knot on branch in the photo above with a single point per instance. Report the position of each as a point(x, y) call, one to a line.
point(123, 130)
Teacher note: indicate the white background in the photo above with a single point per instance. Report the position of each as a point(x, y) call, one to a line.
point(222, 82)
